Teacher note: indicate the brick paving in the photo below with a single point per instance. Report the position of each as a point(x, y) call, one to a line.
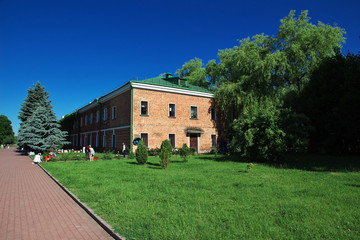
point(33, 206)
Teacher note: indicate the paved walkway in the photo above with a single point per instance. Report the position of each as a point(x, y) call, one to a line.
point(33, 206)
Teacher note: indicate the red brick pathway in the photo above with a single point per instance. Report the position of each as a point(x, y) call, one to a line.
point(32, 206)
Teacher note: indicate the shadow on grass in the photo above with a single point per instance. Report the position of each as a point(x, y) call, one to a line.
point(301, 161)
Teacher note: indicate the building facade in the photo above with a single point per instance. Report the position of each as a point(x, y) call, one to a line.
point(153, 110)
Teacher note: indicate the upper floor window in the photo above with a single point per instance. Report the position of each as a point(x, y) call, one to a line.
point(144, 108)
point(105, 114)
point(172, 110)
point(91, 118)
point(113, 114)
point(86, 120)
point(97, 116)
point(213, 113)
point(81, 121)
point(193, 112)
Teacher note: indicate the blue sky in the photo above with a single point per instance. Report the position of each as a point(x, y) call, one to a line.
point(80, 50)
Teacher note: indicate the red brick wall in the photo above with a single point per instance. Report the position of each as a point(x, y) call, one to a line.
point(159, 125)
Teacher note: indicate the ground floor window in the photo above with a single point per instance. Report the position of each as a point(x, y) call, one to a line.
point(145, 138)
point(113, 140)
point(213, 140)
point(172, 140)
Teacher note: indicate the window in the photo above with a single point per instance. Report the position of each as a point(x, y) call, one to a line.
point(91, 118)
point(86, 120)
point(97, 139)
point(105, 114)
point(213, 140)
point(144, 108)
point(172, 140)
point(104, 140)
point(193, 112)
point(81, 121)
point(90, 139)
point(97, 116)
point(172, 110)
point(113, 115)
point(145, 138)
point(213, 113)
point(113, 139)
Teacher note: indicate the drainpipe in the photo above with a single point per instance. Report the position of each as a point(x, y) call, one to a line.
point(131, 115)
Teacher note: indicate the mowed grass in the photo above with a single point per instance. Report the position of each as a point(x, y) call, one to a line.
point(212, 197)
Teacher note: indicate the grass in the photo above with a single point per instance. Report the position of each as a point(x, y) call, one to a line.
point(212, 197)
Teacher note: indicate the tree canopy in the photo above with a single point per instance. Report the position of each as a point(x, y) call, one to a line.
point(6, 131)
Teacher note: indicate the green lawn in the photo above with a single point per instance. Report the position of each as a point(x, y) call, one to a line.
point(215, 198)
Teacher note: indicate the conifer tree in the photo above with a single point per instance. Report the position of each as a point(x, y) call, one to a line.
point(39, 130)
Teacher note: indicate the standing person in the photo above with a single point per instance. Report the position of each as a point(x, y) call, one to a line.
point(123, 149)
point(87, 151)
point(92, 153)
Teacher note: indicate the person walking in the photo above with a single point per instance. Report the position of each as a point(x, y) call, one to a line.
point(123, 149)
point(92, 153)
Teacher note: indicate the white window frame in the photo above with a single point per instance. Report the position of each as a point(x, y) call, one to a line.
point(147, 146)
point(105, 114)
point(197, 112)
point(211, 113)
point(113, 113)
point(174, 110)
point(147, 108)
point(97, 116)
point(104, 139)
point(212, 141)
point(174, 139)
point(113, 143)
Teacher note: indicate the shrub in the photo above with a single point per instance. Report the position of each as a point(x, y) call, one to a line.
point(131, 155)
point(141, 153)
point(108, 155)
point(65, 157)
point(165, 153)
point(249, 166)
point(153, 151)
point(184, 152)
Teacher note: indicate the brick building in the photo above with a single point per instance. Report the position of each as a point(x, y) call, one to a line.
point(153, 109)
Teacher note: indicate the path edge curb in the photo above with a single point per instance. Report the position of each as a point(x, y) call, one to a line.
point(107, 227)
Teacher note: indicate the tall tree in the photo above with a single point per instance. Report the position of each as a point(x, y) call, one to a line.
point(39, 129)
point(195, 72)
point(6, 131)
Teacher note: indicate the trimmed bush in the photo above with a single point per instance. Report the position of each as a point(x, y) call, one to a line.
point(184, 152)
point(141, 153)
point(165, 153)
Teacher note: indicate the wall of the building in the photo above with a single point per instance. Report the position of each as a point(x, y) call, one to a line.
point(159, 125)
point(118, 126)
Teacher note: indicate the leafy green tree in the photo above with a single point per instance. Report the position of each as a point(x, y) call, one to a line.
point(6, 131)
point(141, 154)
point(165, 153)
point(331, 100)
point(195, 72)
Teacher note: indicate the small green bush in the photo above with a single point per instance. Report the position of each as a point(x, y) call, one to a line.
point(107, 155)
point(184, 152)
point(141, 153)
point(131, 155)
point(165, 153)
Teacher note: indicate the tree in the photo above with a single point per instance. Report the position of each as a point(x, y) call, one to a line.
point(165, 153)
point(6, 131)
point(39, 130)
point(331, 100)
point(195, 72)
point(141, 154)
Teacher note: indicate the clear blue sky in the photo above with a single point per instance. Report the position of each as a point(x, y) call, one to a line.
point(80, 50)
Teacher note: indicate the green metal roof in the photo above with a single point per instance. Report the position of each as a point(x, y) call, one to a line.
point(174, 82)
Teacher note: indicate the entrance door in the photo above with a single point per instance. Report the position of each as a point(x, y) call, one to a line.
point(194, 141)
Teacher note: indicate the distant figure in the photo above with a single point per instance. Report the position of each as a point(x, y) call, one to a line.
point(48, 157)
point(37, 159)
point(123, 149)
point(92, 153)
point(87, 151)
